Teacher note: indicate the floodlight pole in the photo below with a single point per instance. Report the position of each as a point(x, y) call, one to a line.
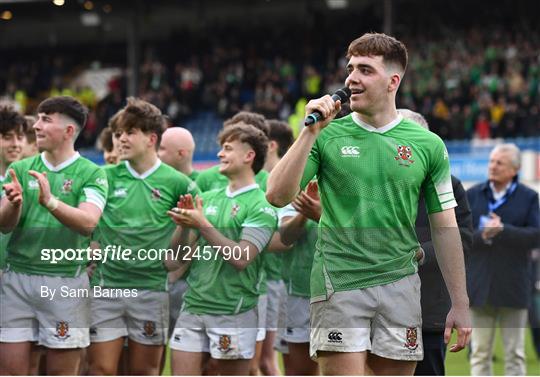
point(133, 51)
point(387, 22)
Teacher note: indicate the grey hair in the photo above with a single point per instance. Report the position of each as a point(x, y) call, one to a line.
point(515, 153)
point(414, 116)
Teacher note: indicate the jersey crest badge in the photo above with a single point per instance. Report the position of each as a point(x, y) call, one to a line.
point(62, 330)
point(156, 194)
point(67, 187)
point(211, 210)
point(412, 336)
point(404, 155)
point(234, 210)
point(224, 343)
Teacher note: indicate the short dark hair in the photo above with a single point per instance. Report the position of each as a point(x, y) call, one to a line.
point(255, 119)
point(29, 131)
point(105, 139)
point(11, 120)
point(65, 105)
point(282, 134)
point(139, 114)
point(379, 44)
point(246, 133)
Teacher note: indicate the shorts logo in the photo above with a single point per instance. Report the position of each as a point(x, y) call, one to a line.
point(224, 343)
point(177, 338)
point(350, 151)
point(156, 194)
point(149, 329)
point(234, 210)
point(93, 331)
point(412, 336)
point(62, 329)
point(289, 330)
point(335, 337)
point(404, 154)
point(67, 186)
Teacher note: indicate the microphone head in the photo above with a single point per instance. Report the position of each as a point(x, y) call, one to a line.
point(343, 94)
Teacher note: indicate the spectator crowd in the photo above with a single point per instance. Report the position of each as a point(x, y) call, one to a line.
point(479, 83)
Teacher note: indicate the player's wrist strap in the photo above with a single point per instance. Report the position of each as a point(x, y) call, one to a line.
point(52, 204)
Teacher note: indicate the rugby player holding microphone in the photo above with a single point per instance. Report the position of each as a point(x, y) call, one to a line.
point(371, 166)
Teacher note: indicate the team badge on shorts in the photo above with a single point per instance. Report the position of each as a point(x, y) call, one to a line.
point(149, 329)
point(224, 343)
point(234, 210)
point(62, 329)
point(67, 186)
point(404, 155)
point(412, 337)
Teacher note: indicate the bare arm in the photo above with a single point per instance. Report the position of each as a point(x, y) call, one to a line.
point(284, 180)
point(194, 218)
point(292, 228)
point(183, 240)
point(248, 251)
point(449, 253)
point(276, 244)
point(82, 219)
point(10, 215)
point(11, 204)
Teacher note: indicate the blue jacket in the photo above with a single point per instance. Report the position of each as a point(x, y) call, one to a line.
point(500, 274)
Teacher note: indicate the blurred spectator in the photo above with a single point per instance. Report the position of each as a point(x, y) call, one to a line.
point(477, 82)
point(506, 220)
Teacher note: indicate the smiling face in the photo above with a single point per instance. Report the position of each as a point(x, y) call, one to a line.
point(54, 130)
point(235, 157)
point(11, 144)
point(373, 84)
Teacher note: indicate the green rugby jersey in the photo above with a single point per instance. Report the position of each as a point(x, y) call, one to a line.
point(272, 265)
point(211, 179)
point(369, 183)
point(136, 218)
point(73, 182)
point(194, 174)
point(4, 238)
point(297, 262)
point(215, 286)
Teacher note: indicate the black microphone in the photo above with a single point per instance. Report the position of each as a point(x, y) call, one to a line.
point(342, 94)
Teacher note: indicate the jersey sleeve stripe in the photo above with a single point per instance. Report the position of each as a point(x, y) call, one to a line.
point(446, 197)
point(257, 236)
point(94, 197)
point(449, 204)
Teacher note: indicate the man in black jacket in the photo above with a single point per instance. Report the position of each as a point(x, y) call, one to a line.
point(506, 220)
point(435, 300)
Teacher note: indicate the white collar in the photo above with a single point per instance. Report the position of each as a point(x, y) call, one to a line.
point(370, 128)
point(62, 165)
point(241, 190)
point(499, 195)
point(146, 173)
